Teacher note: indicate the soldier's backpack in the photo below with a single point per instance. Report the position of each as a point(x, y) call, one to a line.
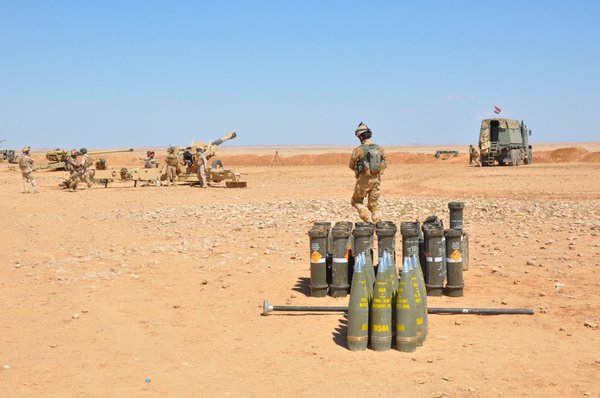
point(372, 160)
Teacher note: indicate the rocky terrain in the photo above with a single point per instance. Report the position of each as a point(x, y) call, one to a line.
point(157, 291)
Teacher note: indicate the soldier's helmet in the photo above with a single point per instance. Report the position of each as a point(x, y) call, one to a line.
point(83, 151)
point(26, 149)
point(74, 152)
point(199, 150)
point(171, 149)
point(361, 129)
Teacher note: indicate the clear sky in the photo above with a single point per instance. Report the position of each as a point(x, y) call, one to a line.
point(152, 73)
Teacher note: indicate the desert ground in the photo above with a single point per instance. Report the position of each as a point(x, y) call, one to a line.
point(157, 291)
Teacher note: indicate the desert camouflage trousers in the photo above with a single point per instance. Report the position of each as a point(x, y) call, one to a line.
point(73, 180)
point(202, 176)
point(88, 175)
point(29, 179)
point(367, 187)
point(171, 174)
point(474, 160)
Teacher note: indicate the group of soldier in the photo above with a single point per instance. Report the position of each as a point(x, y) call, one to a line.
point(83, 170)
point(368, 161)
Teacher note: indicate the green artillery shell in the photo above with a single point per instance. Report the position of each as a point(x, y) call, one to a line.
point(421, 301)
point(362, 244)
point(339, 270)
point(435, 268)
point(406, 312)
point(456, 215)
point(455, 284)
point(381, 311)
point(318, 267)
point(358, 309)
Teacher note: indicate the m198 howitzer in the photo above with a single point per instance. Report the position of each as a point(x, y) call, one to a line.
point(57, 157)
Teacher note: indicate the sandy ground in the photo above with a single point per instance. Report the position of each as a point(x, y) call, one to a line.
point(157, 291)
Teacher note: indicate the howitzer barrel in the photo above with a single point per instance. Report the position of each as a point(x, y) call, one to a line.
point(110, 151)
point(268, 308)
point(227, 137)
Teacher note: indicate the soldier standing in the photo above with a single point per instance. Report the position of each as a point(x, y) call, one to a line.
point(172, 163)
point(87, 163)
point(201, 163)
point(74, 167)
point(368, 163)
point(25, 164)
point(473, 156)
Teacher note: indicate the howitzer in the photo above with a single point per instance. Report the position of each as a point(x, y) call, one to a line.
point(57, 157)
point(268, 308)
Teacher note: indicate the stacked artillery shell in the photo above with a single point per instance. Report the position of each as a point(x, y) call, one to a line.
point(358, 308)
point(339, 267)
point(318, 265)
point(435, 267)
point(329, 246)
point(381, 308)
point(410, 255)
point(363, 236)
point(455, 282)
point(407, 311)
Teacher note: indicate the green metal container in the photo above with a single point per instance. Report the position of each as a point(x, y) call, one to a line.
point(454, 271)
point(435, 268)
point(456, 214)
point(362, 244)
point(339, 271)
point(318, 266)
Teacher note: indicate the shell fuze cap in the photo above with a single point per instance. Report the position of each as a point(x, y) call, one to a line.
point(361, 129)
point(26, 149)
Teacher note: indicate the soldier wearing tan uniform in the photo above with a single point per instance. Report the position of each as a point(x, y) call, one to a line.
point(172, 163)
point(368, 164)
point(87, 163)
point(201, 163)
point(75, 168)
point(474, 156)
point(25, 164)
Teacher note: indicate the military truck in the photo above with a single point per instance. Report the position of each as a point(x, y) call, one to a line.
point(7, 154)
point(504, 142)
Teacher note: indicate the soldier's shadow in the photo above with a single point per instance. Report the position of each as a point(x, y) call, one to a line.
point(341, 331)
point(302, 286)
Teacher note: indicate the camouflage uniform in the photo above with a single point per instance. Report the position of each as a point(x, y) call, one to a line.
point(473, 156)
point(88, 169)
point(74, 167)
point(172, 163)
point(201, 163)
point(366, 185)
point(25, 164)
point(150, 162)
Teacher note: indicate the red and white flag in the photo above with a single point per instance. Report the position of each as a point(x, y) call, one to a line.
point(497, 110)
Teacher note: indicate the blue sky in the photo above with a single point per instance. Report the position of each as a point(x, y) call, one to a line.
point(151, 73)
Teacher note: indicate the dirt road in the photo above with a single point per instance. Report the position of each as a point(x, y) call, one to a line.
point(156, 291)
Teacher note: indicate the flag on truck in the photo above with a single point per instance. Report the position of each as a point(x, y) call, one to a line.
point(497, 110)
